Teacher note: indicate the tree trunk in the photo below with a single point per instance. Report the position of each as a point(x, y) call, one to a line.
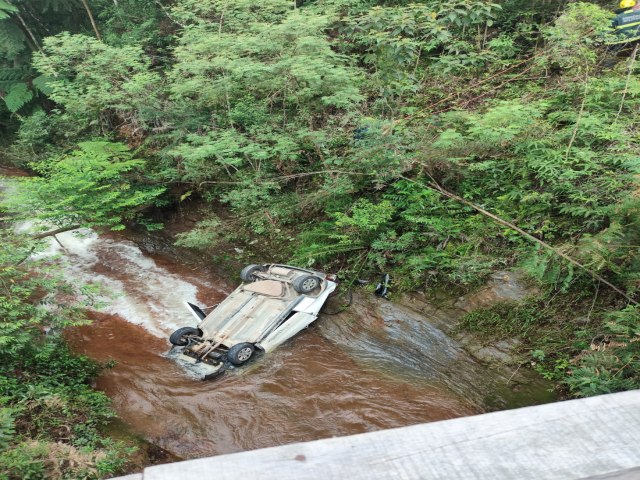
point(93, 22)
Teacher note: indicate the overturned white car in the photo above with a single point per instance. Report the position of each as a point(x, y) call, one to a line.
point(273, 304)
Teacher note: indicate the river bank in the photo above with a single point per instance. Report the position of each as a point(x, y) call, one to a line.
point(377, 365)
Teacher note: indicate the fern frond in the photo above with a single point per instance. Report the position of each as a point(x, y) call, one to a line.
point(6, 9)
point(12, 75)
point(42, 84)
point(18, 97)
point(12, 40)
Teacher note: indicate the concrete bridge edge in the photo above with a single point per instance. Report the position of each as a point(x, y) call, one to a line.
point(597, 437)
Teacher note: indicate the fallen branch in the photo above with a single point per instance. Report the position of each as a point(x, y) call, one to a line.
point(283, 178)
point(626, 85)
point(574, 134)
point(164, 10)
point(435, 186)
point(50, 233)
point(91, 19)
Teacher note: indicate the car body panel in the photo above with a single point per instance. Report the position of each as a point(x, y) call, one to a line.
point(265, 313)
point(288, 329)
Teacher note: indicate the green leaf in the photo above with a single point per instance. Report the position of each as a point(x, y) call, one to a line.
point(42, 83)
point(19, 95)
point(6, 9)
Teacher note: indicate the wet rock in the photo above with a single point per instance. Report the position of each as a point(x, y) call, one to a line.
point(502, 287)
point(416, 336)
point(508, 345)
point(492, 354)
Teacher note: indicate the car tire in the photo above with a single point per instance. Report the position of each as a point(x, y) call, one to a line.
point(306, 283)
point(248, 273)
point(179, 338)
point(240, 353)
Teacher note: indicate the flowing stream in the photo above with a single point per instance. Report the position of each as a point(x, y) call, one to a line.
point(346, 374)
point(307, 389)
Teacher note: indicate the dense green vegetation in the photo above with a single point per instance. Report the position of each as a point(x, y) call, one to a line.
point(357, 136)
point(50, 417)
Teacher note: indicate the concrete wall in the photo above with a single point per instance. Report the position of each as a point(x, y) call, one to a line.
point(596, 437)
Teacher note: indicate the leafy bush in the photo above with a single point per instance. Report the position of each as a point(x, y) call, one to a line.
point(506, 319)
point(50, 416)
point(99, 85)
point(613, 363)
point(91, 186)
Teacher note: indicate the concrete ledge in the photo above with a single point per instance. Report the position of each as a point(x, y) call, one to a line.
point(598, 436)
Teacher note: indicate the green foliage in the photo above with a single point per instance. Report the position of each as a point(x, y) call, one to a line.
point(7, 427)
point(397, 39)
point(98, 85)
point(18, 96)
point(6, 9)
point(137, 22)
point(20, 316)
point(613, 364)
point(92, 186)
point(265, 85)
point(573, 35)
point(355, 231)
point(231, 14)
point(23, 24)
point(12, 40)
point(206, 234)
point(506, 319)
point(50, 417)
point(289, 64)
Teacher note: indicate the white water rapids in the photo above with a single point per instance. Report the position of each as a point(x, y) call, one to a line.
point(134, 286)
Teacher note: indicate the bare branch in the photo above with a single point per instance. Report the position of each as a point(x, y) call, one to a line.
point(437, 188)
point(93, 22)
point(50, 233)
point(626, 85)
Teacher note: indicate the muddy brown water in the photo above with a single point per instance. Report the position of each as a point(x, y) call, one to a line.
point(374, 367)
point(306, 390)
point(309, 388)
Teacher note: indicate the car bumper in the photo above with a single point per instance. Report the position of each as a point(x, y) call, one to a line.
point(198, 369)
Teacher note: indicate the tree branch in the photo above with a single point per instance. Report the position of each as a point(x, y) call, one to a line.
point(50, 233)
point(26, 27)
point(93, 22)
point(284, 178)
point(580, 113)
point(437, 188)
point(164, 10)
point(626, 85)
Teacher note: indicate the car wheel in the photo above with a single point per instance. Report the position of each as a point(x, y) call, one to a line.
point(248, 273)
point(306, 283)
point(181, 336)
point(240, 353)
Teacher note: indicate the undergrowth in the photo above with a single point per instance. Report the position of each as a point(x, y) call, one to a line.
point(585, 347)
